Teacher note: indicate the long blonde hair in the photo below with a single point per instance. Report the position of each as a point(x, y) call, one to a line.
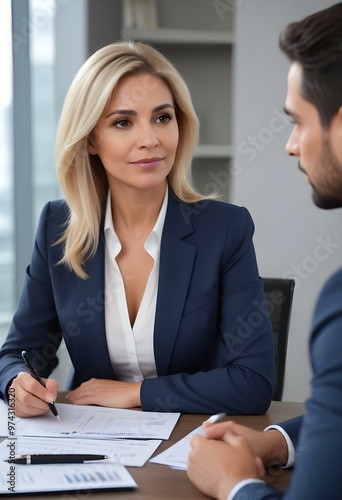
point(82, 175)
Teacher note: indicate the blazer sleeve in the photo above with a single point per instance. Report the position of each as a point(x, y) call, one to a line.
point(241, 376)
point(292, 427)
point(316, 473)
point(35, 325)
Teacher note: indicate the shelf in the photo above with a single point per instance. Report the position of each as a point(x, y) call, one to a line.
point(177, 36)
point(213, 151)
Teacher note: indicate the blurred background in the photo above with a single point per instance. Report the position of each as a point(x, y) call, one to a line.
point(227, 51)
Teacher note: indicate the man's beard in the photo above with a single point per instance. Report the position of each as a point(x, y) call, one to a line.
point(329, 195)
point(325, 201)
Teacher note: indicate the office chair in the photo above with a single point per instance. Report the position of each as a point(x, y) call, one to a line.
point(279, 296)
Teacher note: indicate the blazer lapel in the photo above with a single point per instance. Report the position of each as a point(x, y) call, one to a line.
point(176, 263)
point(92, 291)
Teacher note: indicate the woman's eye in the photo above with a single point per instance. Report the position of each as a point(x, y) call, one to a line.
point(121, 123)
point(164, 118)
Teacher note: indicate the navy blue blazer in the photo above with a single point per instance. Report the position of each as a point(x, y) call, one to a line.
point(317, 435)
point(213, 341)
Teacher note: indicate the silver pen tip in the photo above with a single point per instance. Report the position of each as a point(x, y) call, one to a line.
point(58, 418)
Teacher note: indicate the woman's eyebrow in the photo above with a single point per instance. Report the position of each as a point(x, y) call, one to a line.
point(132, 112)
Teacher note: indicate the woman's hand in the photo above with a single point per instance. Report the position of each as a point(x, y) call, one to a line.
point(30, 396)
point(215, 467)
point(103, 392)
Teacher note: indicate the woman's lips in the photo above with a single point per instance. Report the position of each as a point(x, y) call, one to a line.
point(147, 162)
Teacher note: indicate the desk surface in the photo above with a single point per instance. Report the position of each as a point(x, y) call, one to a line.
point(157, 481)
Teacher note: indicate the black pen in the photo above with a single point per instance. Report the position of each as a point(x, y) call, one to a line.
point(36, 375)
point(54, 459)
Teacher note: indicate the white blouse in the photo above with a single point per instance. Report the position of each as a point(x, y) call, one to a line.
point(131, 349)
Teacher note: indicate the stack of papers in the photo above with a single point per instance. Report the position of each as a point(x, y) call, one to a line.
point(126, 437)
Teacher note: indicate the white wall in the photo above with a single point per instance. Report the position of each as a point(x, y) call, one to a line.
point(289, 228)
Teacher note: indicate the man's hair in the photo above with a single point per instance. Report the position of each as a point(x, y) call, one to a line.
point(316, 44)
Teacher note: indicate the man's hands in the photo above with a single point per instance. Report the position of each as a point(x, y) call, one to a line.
point(270, 446)
point(31, 397)
point(231, 453)
point(102, 392)
point(215, 467)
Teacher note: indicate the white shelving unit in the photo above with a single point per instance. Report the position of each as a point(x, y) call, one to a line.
point(200, 45)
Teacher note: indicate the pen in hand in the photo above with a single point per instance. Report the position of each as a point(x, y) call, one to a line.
point(216, 418)
point(72, 458)
point(36, 376)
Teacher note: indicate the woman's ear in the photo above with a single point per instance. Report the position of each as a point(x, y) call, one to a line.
point(92, 150)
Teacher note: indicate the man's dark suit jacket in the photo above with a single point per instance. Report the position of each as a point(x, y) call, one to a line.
point(213, 340)
point(317, 435)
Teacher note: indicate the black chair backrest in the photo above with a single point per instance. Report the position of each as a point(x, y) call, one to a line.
point(279, 296)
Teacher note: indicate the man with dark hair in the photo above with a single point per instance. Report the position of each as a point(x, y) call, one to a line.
point(229, 463)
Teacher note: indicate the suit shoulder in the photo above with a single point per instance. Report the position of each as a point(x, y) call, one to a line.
point(228, 214)
point(331, 294)
point(219, 220)
point(56, 210)
point(334, 283)
point(222, 208)
point(53, 219)
point(332, 289)
point(328, 310)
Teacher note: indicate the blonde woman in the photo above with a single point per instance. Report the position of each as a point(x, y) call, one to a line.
point(153, 286)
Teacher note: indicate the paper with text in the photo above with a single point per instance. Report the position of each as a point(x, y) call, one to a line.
point(98, 422)
point(129, 452)
point(83, 478)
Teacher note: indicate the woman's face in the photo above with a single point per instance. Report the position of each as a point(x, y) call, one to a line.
point(136, 137)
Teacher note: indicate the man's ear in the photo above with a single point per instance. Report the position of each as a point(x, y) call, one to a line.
point(339, 120)
point(337, 128)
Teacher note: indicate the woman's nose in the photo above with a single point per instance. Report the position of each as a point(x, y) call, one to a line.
point(147, 138)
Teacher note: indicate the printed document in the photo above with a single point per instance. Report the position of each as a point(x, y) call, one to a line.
point(98, 422)
point(129, 452)
point(84, 478)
